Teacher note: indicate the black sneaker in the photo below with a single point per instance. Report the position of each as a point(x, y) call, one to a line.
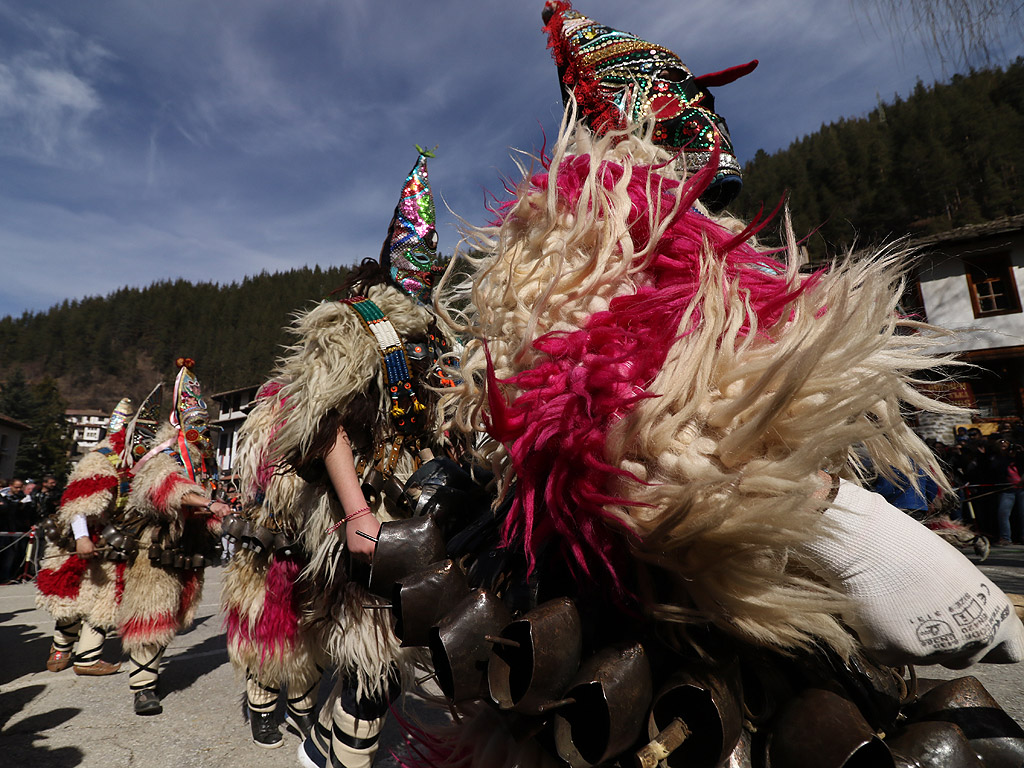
point(147, 703)
point(300, 725)
point(265, 732)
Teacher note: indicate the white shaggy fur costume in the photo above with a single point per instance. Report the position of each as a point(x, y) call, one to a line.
point(336, 377)
point(160, 600)
point(83, 595)
point(669, 403)
point(269, 638)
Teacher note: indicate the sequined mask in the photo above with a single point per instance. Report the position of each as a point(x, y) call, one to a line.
point(190, 414)
point(121, 414)
point(409, 255)
point(620, 80)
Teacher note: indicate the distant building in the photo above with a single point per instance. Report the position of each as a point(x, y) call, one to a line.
point(969, 280)
point(89, 427)
point(235, 405)
point(11, 431)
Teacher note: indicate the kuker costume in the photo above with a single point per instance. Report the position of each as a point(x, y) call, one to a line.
point(688, 568)
point(164, 580)
point(83, 594)
point(363, 366)
point(269, 637)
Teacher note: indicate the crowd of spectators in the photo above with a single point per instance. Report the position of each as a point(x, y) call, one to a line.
point(987, 472)
point(23, 504)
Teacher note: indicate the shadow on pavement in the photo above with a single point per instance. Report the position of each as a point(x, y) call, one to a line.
point(23, 648)
point(21, 740)
point(178, 673)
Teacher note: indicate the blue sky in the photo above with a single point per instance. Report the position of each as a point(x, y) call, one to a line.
point(211, 140)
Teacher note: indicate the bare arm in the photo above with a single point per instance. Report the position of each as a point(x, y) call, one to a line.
point(341, 469)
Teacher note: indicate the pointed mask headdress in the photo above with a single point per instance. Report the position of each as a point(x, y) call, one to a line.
point(409, 256)
point(620, 80)
point(120, 415)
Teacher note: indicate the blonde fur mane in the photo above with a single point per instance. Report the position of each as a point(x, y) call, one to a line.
point(724, 460)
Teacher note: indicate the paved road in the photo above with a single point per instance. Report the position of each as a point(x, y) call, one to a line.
point(62, 721)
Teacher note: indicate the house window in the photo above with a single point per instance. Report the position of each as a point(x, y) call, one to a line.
point(993, 289)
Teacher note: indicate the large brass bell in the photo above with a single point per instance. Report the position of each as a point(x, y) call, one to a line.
point(285, 546)
point(604, 710)
point(404, 547)
point(821, 729)
point(964, 702)
point(933, 745)
point(257, 539)
point(708, 702)
point(233, 526)
point(422, 599)
point(535, 657)
point(459, 647)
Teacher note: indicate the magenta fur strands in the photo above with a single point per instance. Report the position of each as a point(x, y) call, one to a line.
point(273, 633)
point(586, 380)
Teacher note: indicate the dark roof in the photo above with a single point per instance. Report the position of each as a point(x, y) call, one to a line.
point(218, 395)
point(973, 231)
point(9, 422)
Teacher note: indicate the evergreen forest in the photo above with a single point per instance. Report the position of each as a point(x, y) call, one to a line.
point(947, 155)
point(101, 349)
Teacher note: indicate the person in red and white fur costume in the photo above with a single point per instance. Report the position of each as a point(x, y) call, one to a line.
point(82, 591)
point(160, 599)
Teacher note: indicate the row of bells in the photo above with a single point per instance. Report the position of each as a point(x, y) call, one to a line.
point(606, 707)
point(122, 546)
point(256, 538)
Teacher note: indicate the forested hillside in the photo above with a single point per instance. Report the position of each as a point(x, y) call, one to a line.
point(100, 349)
point(949, 154)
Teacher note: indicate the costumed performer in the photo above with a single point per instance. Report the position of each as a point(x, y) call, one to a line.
point(177, 527)
point(77, 585)
point(269, 639)
point(358, 417)
point(676, 414)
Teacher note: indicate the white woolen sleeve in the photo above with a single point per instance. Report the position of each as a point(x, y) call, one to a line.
point(79, 526)
point(916, 598)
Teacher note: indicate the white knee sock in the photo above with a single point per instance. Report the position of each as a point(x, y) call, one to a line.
point(144, 667)
point(354, 742)
point(90, 645)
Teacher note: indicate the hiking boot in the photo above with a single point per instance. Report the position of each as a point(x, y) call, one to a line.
point(147, 702)
point(99, 668)
point(265, 732)
point(58, 659)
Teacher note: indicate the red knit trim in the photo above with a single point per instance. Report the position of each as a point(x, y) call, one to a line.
point(88, 486)
point(66, 581)
point(161, 495)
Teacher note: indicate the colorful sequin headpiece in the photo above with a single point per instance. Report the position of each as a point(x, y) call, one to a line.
point(141, 430)
point(120, 415)
point(409, 255)
point(190, 415)
point(620, 80)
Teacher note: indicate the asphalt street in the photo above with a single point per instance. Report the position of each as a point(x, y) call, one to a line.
point(61, 720)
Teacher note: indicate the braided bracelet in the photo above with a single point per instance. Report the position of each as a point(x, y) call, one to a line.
point(357, 514)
